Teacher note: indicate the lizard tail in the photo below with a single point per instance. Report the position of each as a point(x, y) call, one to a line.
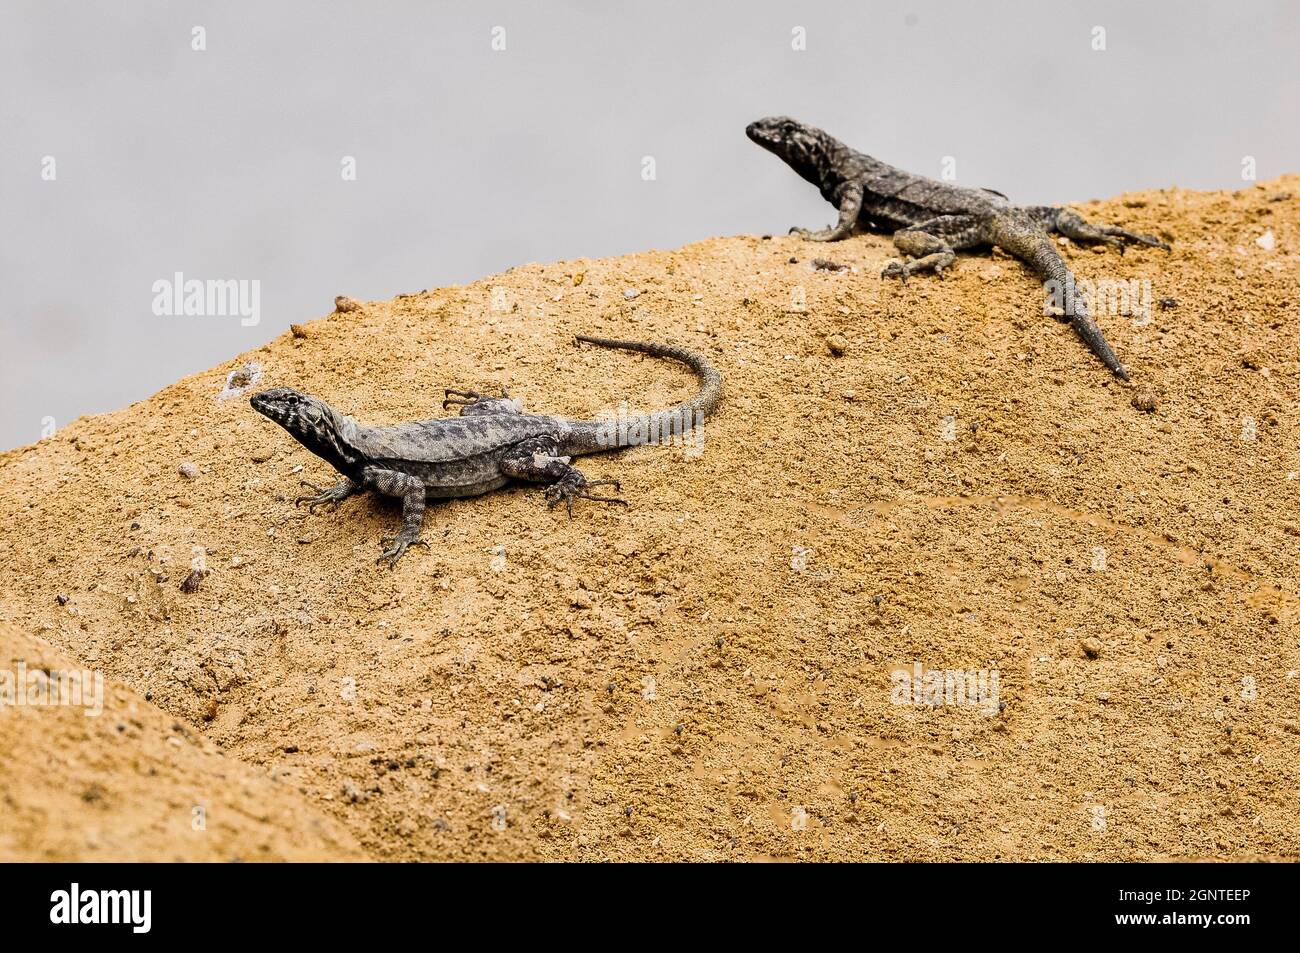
point(1040, 254)
point(660, 425)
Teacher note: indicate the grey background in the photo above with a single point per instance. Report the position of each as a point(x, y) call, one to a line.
point(226, 163)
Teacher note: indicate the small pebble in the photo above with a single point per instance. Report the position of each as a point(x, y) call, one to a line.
point(1091, 647)
point(1146, 400)
point(837, 344)
point(240, 379)
point(189, 470)
point(344, 304)
point(630, 293)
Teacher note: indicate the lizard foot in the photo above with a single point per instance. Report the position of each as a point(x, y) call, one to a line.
point(472, 403)
point(395, 546)
point(821, 235)
point(901, 271)
point(333, 496)
point(896, 269)
point(1073, 225)
point(575, 488)
point(1119, 239)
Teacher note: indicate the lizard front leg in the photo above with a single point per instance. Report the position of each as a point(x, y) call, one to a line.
point(932, 245)
point(536, 461)
point(333, 496)
point(1073, 225)
point(411, 490)
point(850, 208)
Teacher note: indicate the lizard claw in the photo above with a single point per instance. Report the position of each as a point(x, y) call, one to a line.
point(895, 269)
point(568, 490)
point(456, 398)
point(1120, 238)
point(322, 497)
point(395, 546)
point(311, 486)
point(1139, 239)
point(473, 404)
point(808, 235)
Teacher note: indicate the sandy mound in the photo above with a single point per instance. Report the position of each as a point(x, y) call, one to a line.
point(112, 777)
point(707, 675)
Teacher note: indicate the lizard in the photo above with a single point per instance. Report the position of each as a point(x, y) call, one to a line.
point(931, 220)
point(492, 441)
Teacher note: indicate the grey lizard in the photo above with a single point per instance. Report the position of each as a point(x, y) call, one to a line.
point(932, 220)
point(491, 442)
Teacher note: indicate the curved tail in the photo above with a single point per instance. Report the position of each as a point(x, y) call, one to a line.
point(660, 426)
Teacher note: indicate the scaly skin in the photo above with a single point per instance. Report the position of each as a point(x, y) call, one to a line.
point(492, 442)
point(932, 220)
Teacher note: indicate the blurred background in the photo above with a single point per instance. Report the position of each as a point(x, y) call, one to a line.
point(228, 161)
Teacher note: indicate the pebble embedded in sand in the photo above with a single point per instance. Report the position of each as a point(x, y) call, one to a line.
point(1146, 400)
point(837, 344)
point(344, 304)
point(188, 470)
point(240, 379)
point(1091, 647)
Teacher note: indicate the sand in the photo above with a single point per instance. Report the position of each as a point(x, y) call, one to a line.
point(706, 675)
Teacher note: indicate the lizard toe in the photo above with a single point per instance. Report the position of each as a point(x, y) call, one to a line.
point(396, 546)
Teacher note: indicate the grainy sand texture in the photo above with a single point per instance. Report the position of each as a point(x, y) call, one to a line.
point(934, 474)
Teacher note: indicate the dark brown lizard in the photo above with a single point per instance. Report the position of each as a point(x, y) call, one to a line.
point(932, 220)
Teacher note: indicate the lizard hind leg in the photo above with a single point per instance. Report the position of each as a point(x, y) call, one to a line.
point(535, 461)
point(932, 245)
point(1073, 225)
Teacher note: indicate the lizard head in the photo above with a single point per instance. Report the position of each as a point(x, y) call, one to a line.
point(310, 420)
point(802, 147)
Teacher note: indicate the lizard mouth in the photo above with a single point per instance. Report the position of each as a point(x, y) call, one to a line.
point(268, 405)
point(762, 134)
